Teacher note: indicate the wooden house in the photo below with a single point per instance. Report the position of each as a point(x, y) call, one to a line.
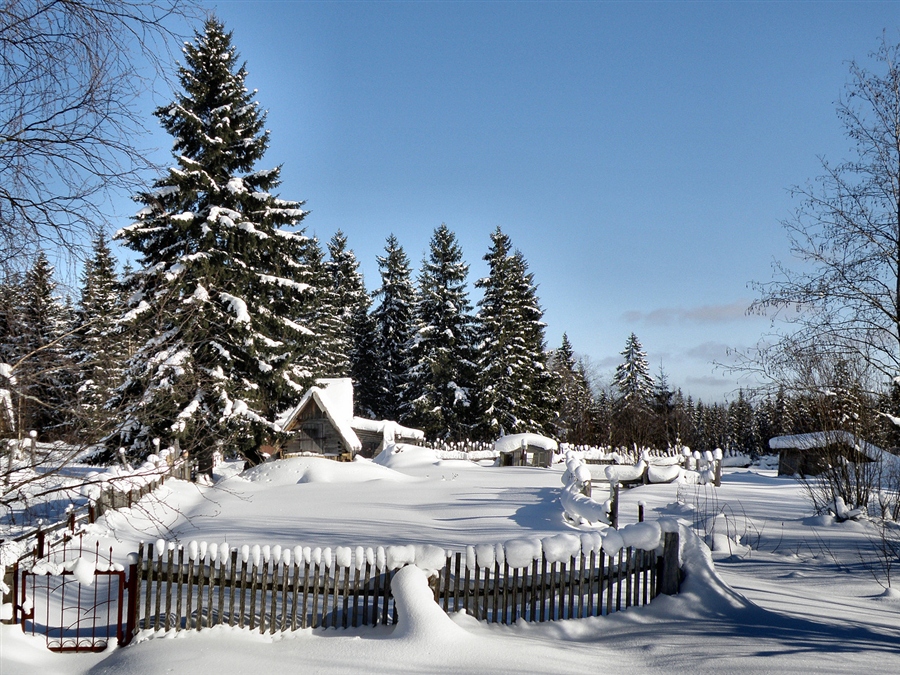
point(323, 423)
point(810, 454)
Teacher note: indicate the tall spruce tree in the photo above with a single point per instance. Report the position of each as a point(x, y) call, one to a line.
point(393, 319)
point(635, 394)
point(515, 386)
point(44, 371)
point(222, 282)
point(573, 394)
point(440, 379)
point(99, 350)
point(357, 328)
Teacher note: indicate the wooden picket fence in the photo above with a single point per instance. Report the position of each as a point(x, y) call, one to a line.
point(173, 591)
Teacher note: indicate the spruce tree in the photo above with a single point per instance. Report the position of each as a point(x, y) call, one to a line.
point(515, 386)
point(440, 379)
point(635, 393)
point(99, 351)
point(573, 395)
point(393, 319)
point(222, 282)
point(44, 369)
point(357, 328)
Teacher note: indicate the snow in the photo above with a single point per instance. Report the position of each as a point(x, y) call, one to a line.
point(515, 441)
point(772, 589)
point(238, 307)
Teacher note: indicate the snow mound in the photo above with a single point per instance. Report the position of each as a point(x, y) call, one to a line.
point(419, 617)
point(318, 470)
point(401, 456)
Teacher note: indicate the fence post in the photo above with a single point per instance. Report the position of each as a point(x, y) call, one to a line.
point(133, 589)
point(670, 574)
point(614, 506)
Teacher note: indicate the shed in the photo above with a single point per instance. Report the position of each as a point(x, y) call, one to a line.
point(323, 423)
point(538, 450)
point(809, 454)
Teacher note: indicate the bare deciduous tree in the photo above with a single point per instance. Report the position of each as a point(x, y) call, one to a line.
point(843, 299)
point(69, 85)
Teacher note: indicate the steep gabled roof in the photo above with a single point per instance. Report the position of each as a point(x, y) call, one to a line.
point(334, 396)
point(821, 439)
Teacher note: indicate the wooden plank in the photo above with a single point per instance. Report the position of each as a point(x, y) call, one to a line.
point(552, 592)
point(504, 593)
point(456, 579)
point(466, 587)
point(619, 575)
point(496, 593)
point(629, 574)
point(263, 588)
point(273, 614)
point(376, 585)
point(345, 608)
point(139, 586)
point(170, 563)
point(608, 577)
point(572, 585)
point(253, 586)
point(478, 613)
point(544, 590)
point(314, 622)
point(220, 614)
point(365, 602)
point(485, 593)
point(326, 594)
point(210, 566)
point(243, 604)
point(592, 573)
point(581, 565)
point(534, 577)
point(159, 578)
point(304, 622)
point(356, 593)
point(179, 582)
point(201, 580)
point(514, 609)
point(446, 578)
point(189, 605)
point(387, 595)
point(233, 583)
point(295, 593)
point(564, 583)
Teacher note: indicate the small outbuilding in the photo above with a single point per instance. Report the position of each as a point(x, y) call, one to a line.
point(810, 454)
point(526, 449)
point(323, 423)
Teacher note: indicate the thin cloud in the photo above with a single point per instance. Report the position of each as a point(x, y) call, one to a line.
point(705, 314)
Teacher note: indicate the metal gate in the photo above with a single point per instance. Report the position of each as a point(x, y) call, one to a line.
point(78, 599)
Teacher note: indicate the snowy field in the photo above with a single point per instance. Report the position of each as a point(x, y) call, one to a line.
point(787, 591)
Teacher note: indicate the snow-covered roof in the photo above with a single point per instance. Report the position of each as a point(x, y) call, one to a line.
point(334, 396)
point(820, 439)
point(390, 430)
point(514, 441)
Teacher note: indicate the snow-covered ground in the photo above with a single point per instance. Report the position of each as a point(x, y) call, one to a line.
point(789, 592)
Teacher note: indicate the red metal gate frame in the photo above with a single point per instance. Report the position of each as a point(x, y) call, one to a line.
point(92, 640)
point(121, 587)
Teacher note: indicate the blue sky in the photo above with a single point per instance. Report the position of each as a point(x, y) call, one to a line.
point(640, 154)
